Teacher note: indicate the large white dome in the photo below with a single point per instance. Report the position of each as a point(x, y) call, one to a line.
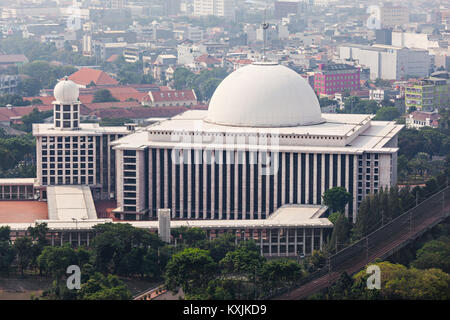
point(66, 92)
point(264, 94)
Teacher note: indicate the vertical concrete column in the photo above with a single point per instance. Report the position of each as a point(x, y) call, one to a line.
point(197, 184)
point(268, 209)
point(205, 184)
point(166, 179)
point(189, 186)
point(347, 180)
point(174, 184)
point(339, 165)
point(322, 174)
point(291, 178)
point(259, 186)
point(307, 178)
point(299, 176)
point(279, 241)
point(213, 181)
point(252, 184)
point(283, 178)
point(220, 159)
point(304, 241)
point(182, 173)
point(236, 184)
point(315, 171)
point(244, 186)
point(228, 160)
point(158, 185)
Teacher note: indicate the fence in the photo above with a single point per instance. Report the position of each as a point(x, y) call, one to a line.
point(383, 240)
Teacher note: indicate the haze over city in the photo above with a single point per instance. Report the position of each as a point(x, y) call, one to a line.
point(224, 150)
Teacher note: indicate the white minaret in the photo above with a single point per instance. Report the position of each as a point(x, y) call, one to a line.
point(66, 110)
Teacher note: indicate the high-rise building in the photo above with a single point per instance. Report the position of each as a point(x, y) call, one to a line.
point(393, 15)
point(260, 145)
point(218, 8)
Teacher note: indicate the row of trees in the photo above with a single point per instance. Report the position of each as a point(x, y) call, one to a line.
point(220, 270)
point(15, 150)
point(422, 274)
point(374, 211)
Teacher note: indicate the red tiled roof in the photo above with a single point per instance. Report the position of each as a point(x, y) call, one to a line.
point(113, 58)
point(6, 114)
point(85, 76)
point(90, 108)
point(422, 116)
point(13, 58)
point(23, 211)
point(208, 59)
point(140, 112)
point(172, 95)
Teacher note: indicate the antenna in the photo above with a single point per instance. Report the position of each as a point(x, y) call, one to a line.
point(265, 26)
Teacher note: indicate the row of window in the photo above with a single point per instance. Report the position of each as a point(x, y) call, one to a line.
point(68, 139)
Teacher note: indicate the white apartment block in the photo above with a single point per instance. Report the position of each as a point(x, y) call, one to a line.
point(218, 8)
point(389, 62)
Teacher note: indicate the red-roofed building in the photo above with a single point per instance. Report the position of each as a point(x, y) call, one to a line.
point(138, 114)
point(420, 119)
point(11, 114)
point(170, 98)
point(207, 61)
point(86, 76)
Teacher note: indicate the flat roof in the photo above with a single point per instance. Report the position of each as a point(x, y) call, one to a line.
point(94, 129)
point(358, 131)
point(286, 216)
point(12, 212)
point(70, 202)
point(17, 181)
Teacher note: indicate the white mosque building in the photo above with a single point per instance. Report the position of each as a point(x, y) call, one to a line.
point(255, 165)
point(263, 144)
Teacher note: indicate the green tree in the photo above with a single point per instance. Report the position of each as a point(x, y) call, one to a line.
point(23, 247)
point(100, 287)
point(115, 247)
point(7, 253)
point(387, 114)
point(219, 246)
point(190, 269)
point(336, 198)
point(341, 233)
point(55, 260)
point(104, 95)
point(281, 272)
point(434, 254)
point(244, 262)
point(29, 87)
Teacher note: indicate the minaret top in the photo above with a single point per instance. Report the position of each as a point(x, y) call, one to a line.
point(66, 92)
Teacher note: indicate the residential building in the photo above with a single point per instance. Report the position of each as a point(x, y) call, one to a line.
point(420, 119)
point(428, 94)
point(218, 8)
point(170, 98)
point(333, 78)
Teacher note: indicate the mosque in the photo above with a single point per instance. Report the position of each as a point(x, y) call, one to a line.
point(255, 164)
point(262, 144)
